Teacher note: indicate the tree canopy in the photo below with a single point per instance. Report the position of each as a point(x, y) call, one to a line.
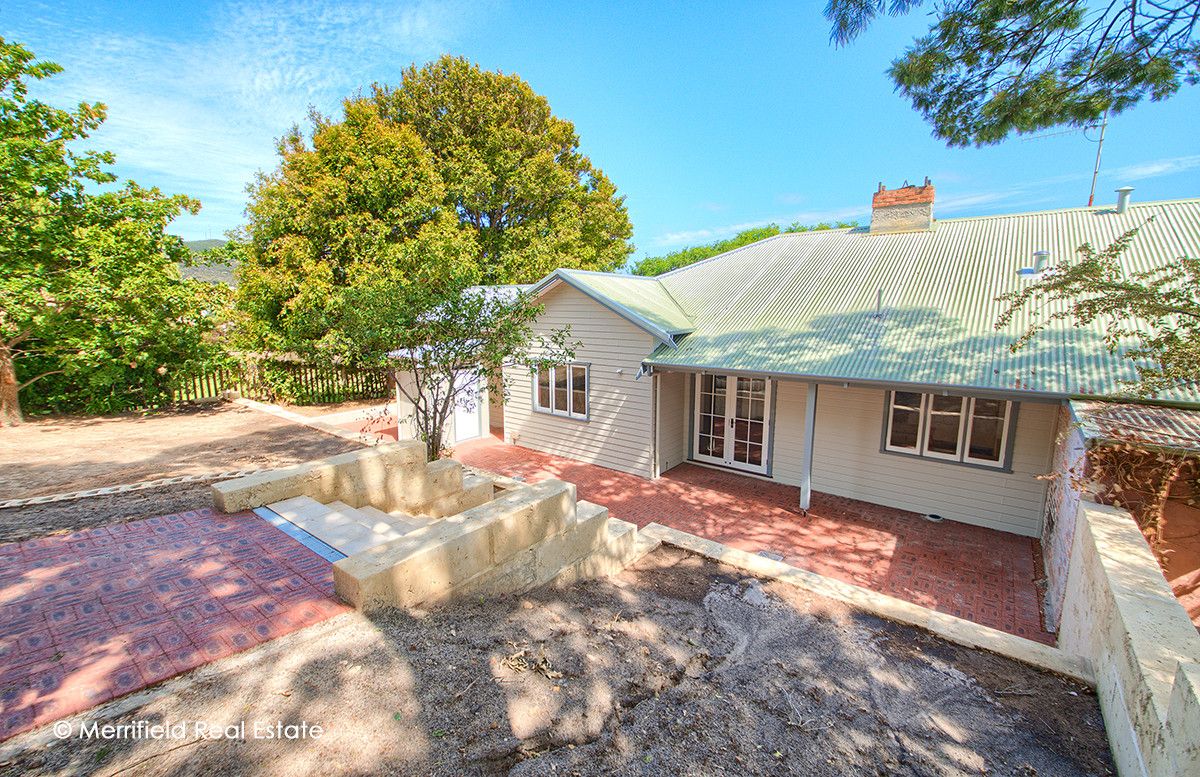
point(512, 171)
point(456, 177)
point(1158, 310)
point(92, 308)
point(347, 239)
point(657, 265)
point(991, 68)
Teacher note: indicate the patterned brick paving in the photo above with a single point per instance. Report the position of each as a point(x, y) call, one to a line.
point(89, 616)
point(968, 571)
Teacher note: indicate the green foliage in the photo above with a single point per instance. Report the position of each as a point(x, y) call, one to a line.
point(462, 346)
point(455, 178)
point(989, 68)
point(92, 309)
point(657, 265)
point(512, 172)
point(347, 241)
point(1158, 310)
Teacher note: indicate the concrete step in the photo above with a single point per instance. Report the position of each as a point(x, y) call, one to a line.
point(399, 520)
point(335, 528)
point(642, 547)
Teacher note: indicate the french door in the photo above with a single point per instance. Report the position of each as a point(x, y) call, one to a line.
point(732, 421)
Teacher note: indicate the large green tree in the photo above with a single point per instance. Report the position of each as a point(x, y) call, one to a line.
point(348, 240)
point(457, 177)
point(512, 171)
point(990, 68)
point(93, 313)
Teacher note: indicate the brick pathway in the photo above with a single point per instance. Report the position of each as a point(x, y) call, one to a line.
point(980, 574)
point(89, 616)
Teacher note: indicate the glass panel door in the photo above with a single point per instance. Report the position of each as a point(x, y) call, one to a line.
point(732, 421)
point(710, 417)
point(750, 423)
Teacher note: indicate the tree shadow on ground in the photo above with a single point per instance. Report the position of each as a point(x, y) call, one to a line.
point(678, 666)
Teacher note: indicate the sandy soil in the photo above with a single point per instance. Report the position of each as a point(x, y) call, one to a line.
point(679, 666)
point(313, 411)
point(60, 454)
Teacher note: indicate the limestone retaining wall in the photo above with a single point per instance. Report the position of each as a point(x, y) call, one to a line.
point(1119, 613)
point(394, 476)
point(524, 538)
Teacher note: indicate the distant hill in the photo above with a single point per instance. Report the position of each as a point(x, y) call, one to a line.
point(208, 272)
point(196, 246)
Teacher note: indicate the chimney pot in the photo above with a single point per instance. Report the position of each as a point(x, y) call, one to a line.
point(907, 209)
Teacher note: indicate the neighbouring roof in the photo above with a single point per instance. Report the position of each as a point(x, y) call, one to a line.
point(644, 301)
point(805, 304)
point(1167, 427)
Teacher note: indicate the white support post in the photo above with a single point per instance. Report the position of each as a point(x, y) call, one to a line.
point(810, 422)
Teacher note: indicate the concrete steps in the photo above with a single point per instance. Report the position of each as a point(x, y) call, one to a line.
point(348, 529)
point(398, 518)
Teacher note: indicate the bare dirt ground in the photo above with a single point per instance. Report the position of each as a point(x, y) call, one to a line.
point(313, 411)
point(68, 454)
point(680, 666)
point(59, 454)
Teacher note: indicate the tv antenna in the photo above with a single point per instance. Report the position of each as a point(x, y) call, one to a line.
point(1099, 150)
point(1103, 125)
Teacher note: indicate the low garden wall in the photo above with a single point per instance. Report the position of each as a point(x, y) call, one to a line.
point(1062, 504)
point(1119, 613)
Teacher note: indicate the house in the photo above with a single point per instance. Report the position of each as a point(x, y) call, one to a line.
point(860, 362)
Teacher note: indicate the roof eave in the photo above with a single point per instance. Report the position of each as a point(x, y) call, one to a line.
point(664, 336)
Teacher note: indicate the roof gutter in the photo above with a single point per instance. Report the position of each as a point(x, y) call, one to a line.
point(926, 388)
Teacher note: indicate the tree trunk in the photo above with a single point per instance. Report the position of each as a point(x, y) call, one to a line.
point(10, 399)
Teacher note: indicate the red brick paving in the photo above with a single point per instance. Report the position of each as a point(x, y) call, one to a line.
point(980, 574)
point(96, 614)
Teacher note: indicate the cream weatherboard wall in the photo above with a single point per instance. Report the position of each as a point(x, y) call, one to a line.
point(848, 462)
point(674, 422)
point(620, 431)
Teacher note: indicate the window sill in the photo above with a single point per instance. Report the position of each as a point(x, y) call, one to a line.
point(564, 416)
point(1005, 469)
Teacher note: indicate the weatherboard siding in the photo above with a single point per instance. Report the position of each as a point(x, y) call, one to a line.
point(848, 462)
point(674, 422)
point(619, 432)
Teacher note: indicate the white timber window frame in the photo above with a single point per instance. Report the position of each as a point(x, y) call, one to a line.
point(563, 390)
point(982, 428)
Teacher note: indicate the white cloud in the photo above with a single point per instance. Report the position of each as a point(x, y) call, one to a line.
point(199, 113)
point(1180, 164)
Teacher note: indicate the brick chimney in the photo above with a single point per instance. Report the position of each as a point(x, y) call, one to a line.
point(907, 209)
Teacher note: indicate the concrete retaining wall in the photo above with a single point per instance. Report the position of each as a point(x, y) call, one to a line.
point(1119, 613)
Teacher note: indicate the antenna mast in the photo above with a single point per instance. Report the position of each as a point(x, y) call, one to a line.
point(1099, 150)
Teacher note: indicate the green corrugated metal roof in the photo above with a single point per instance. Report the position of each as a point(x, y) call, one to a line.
point(646, 301)
point(805, 304)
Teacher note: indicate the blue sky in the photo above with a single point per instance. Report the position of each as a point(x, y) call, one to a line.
point(710, 118)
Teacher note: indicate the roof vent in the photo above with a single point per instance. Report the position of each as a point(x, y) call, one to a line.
point(907, 209)
point(1040, 260)
point(1123, 198)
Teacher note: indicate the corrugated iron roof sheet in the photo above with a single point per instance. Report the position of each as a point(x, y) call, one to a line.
point(644, 299)
point(1168, 427)
point(805, 304)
